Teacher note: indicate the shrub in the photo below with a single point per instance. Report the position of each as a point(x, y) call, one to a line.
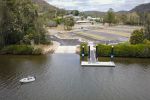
point(37, 51)
point(101, 48)
point(125, 50)
point(137, 37)
point(146, 42)
point(69, 23)
point(17, 50)
point(59, 20)
point(52, 24)
point(46, 42)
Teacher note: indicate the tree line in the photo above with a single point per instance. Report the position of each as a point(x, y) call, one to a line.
point(20, 23)
point(126, 18)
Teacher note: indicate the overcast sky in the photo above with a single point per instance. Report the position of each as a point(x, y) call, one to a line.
point(98, 5)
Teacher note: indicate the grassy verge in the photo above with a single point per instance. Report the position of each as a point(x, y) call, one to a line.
point(20, 50)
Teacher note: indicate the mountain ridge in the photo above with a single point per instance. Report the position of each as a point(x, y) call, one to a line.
point(141, 8)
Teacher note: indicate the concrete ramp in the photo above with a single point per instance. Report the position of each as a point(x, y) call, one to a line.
point(66, 49)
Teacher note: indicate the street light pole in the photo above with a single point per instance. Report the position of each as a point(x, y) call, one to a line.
point(89, 53)
point(96, 52)
point(83, 53)
point(112, 53)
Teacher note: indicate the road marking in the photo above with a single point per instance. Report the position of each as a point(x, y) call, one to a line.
point(124, 34)
point(90, 35)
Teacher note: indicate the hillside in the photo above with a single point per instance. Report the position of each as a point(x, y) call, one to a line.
point(142, 8)
point(48, 10)
point(44, 6)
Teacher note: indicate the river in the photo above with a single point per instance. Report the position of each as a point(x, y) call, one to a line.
point(60, 77)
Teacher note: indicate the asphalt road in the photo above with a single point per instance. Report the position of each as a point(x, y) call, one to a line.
point(64, 42)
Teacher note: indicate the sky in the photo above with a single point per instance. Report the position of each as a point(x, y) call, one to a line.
point(96, 5)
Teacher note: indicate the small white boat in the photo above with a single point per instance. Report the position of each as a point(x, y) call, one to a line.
point(27, 79)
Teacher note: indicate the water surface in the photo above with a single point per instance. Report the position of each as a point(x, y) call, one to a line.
point(60, 77)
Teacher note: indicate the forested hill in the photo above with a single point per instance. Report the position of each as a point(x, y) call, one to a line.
point(49, 10)
point(44, 5)
point(142, 8)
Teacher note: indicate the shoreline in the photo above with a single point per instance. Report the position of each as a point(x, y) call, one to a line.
point(48, 48)
point(36, 49)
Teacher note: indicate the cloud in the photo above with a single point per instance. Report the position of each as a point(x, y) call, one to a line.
point(99, 5)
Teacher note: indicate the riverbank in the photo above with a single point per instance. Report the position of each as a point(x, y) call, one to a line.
point(48, 48)
point(29, 50)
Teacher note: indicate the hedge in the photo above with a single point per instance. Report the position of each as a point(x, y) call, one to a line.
point(125, 50)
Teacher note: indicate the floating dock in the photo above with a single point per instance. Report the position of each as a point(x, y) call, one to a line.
point(92, 62)
point(98, 64)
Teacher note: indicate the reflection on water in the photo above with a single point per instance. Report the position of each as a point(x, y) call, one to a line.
point(60, 77)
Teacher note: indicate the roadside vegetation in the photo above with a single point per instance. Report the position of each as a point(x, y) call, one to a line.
point(138, 46)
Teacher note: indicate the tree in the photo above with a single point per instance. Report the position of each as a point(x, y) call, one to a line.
point(61, 12)
point(20, 18)
point(75, 12)
point(1, 21)
point(133, 19)
point(137, 37)
point(69, 23)
point(110, 17)
point(147, 27)
point(123, 18)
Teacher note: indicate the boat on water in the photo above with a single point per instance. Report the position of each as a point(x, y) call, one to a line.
point(27, 79)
